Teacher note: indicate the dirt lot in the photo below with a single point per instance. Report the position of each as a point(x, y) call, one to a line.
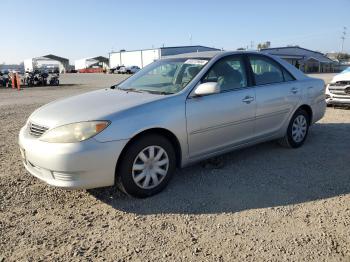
point(264, 203)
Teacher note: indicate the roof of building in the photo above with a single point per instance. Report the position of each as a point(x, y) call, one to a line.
point(208, 54)
point(57, 58)
point(205, 54)
point(51, 57)
point(297, 51)
point(189, 46)
point(98, 58)
point(167, 47)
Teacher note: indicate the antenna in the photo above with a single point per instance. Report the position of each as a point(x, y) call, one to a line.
point(190, 37)
point(343, 37)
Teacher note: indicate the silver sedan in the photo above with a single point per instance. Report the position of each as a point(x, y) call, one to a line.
point(172, 113)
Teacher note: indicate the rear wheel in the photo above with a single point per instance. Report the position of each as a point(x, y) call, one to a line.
point(146, 167)
point(297, 130)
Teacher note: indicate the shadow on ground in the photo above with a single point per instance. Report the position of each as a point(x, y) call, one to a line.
point(265, 175)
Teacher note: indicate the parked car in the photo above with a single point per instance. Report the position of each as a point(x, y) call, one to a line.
point(114, 70)
point(121, 70)
point(136, 133)
point(338, 90)
point(132, 69)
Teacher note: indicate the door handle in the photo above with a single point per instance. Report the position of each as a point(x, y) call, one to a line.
point(248, 99)
point(294, 90)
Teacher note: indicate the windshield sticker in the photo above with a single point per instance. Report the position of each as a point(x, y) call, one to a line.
point(196, 62)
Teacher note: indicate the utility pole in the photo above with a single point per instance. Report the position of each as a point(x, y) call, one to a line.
point(343, 37)
point(251, 45)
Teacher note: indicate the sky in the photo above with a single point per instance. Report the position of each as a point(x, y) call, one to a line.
point(84, 28)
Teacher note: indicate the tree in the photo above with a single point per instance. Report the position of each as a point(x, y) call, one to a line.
point(267, 44)
point(343, 56)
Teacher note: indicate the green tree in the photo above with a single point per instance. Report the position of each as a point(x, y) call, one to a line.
point(343, 56)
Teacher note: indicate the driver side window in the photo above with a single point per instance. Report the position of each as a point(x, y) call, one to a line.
point(229, 73)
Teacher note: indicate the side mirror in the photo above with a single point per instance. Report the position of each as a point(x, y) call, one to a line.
point(207, 88)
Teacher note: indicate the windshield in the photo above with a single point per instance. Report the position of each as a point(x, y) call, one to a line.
point(164, 76)
point(345, 71)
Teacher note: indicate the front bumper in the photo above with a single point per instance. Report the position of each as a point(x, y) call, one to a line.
point(87, 164)
point(339, 98)
point(338, 101)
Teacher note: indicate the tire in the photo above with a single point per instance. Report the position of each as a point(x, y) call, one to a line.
point(292, 139)
point(132, 171)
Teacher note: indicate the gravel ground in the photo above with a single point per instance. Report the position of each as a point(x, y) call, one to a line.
point(262, 203)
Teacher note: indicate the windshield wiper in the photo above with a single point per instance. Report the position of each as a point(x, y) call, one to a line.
point(158, 92)
point(142, 90)
point(127, 89)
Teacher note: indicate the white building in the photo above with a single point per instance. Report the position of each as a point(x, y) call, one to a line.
point(141, 58)
point(98, 61)
point(47, 61)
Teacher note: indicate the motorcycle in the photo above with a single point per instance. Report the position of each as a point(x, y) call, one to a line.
point(5, 79)
point(54, 80)
point(43, 78)
point(36, 78)
point(29, 79)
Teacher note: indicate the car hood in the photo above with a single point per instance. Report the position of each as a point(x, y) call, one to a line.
point(96, 105)
point(341, 77)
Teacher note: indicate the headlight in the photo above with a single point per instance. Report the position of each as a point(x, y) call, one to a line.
point(75, 132)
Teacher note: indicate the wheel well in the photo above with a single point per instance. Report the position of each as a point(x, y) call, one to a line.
point(308, 110)
point(159, 131)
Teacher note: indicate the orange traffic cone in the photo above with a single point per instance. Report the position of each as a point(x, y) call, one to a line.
point(12, 80)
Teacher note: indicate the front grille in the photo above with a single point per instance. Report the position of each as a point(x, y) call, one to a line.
point(341, 97)
point(347, 90)
point(339, 90)
point(341, 83)
point(37, 130)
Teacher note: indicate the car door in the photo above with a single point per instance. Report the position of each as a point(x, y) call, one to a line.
point(219, 121)
point(277, 94)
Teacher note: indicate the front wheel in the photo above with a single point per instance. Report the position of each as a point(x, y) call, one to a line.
point(146, 167)
point(297, 130)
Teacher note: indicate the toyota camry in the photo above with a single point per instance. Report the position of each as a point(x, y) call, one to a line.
point(172, 113)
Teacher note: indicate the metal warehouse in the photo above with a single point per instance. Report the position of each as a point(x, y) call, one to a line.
point(306, 60)
point(98, 61)
point(144, 57)
point(47, 61)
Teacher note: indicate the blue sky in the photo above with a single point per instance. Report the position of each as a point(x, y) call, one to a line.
point(83, 28)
